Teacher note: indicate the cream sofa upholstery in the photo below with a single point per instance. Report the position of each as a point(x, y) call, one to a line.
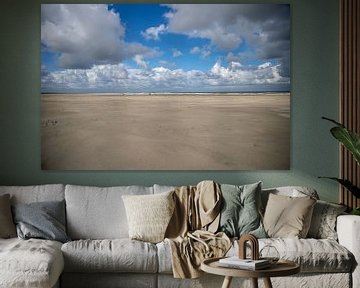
point(101, 255)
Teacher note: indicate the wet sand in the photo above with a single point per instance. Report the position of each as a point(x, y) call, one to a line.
point(165, 132)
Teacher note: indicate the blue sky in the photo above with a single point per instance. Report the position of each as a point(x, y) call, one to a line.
point(165, 48)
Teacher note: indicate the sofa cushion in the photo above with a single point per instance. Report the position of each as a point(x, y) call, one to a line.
point(163, 188)
point(30, 263)
point(323, 222)
point(287, 216)
point(7, 226)
point(313, 255)
point(98, 213)
point(149, 215)
point(43, 220)
point(291, 191)
point(116, 255)
point(37, 193)
point(240, 210)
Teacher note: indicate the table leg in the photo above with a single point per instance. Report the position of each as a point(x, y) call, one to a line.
point(267, 283)
point(254, 282)
point(227, 282)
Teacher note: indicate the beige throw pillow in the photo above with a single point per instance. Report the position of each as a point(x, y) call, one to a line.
point(149, 215)
point(7, 226)
point(288, 217)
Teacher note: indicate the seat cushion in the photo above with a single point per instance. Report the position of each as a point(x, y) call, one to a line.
point(30, 263)
point(313, 255)
point(117, 255)
point(98, 213)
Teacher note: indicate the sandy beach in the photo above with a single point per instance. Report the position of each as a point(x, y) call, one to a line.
point(165, 132)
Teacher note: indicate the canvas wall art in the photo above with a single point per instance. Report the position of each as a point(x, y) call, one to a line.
point(165, 87)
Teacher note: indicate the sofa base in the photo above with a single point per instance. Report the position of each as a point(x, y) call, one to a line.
point(108, 280)
point(134, 280)
point(309, 280)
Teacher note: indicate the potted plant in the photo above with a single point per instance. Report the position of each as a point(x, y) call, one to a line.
point(351, 141)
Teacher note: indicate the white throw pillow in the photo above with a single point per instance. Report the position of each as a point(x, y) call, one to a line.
point(149, 215)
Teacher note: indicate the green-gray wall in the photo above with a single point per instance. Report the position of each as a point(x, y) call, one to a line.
point(314, 93)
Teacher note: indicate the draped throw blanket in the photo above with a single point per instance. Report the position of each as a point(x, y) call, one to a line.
point(191, 231)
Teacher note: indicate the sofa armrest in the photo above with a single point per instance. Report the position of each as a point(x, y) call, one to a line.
point(348, 230)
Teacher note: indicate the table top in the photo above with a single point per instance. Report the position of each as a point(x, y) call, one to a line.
point(281, 268)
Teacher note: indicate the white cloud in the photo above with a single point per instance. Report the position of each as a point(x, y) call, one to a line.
point(265, 28)
point(237, 74)
point(233, 65)
point(264, 65)
point(120, 78)
point(204, 51)
point(76, 33)
point(139, 60)
point(176, 53)
point(195, 50)
point(153, 33)
point(230, 57)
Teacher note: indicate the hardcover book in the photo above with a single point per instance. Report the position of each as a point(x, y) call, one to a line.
point(249, 264)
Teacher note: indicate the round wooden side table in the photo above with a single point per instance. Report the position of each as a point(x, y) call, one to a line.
point(281, 268)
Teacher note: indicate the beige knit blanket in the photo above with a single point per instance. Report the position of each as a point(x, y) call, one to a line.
point(191, 231)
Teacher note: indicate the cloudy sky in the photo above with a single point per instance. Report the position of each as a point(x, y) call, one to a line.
point(165, 48)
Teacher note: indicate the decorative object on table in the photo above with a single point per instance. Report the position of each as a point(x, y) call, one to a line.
point(351, 142)
point(269, 253)
point(254, 246)
point(241, 261)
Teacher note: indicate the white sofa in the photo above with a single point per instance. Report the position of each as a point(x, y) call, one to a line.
point(101, 254)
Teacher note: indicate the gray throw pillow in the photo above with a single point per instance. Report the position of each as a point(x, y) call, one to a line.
point(240, 213)
point(44, 220)
point(323, 222)
point(7, 226)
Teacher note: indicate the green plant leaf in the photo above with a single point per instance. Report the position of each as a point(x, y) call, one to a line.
point(347, 184)
point(348, 138)
point(355, 211)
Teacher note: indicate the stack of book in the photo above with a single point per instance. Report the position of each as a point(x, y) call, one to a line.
point(248, 264)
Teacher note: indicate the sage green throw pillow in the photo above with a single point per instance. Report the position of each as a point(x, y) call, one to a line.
point(240, 213)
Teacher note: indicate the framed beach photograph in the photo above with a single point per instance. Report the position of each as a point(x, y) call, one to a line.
point(165, 86)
